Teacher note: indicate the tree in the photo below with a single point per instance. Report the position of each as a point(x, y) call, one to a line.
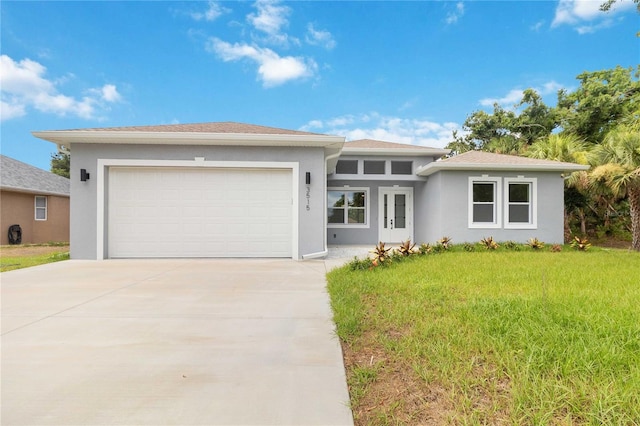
point(60, 164)
point(571, 149)
point(606, 6)
point(507, 131)
point(618, 160)
point(603, 99)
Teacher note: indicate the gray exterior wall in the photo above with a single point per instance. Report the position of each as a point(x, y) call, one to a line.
point(444, 202)
point(83, 232)
point(369, 235)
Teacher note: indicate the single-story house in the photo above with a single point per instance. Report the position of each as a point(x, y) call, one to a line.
point(34, 199)
point(239, 190)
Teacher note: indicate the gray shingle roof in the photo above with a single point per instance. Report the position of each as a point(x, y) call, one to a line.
point(18, 176)
point(371, 143)
point(489, 158)
point(216, 127)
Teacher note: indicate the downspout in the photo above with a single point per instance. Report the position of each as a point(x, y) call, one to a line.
point(324, 204)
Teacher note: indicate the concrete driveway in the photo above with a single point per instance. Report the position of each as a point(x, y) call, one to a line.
point(162, 342)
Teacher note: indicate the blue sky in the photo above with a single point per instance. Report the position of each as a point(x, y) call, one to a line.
point(407, 72)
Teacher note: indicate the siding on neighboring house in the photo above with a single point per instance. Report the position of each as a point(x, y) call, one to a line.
point(18, 208)
point(20, 184)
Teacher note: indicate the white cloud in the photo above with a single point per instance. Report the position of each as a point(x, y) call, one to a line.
point(270, 19)
point(387, 128)
point(577, 12)
point(452, 17)
point(536, 27)
point(213, 12)
point(273, 70)
point(515, 95)
point(320, 37)
point(23, 85)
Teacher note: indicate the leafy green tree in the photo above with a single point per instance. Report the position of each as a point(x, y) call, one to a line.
point(618, 160)
point(571, 149)
point(61, 164)
point(507, 131)
point(606, 6)
point(603, 99)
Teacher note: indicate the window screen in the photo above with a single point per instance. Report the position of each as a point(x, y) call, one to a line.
point(347, 167)
point(401, 167)
point(374, 167)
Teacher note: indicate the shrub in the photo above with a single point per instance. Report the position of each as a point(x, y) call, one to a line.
point(489, 243)
point(445, 243)
point(535, 244)
point(556, 248)
point(581, 244)
point(425, 249)
point(381, 254)
point(406, 248)
point(360, 264)
point(511, 245)
point(468, 247)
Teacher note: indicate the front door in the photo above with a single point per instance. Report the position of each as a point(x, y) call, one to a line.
point(395, 214)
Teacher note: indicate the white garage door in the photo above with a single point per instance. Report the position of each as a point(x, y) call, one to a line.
point(199, 212)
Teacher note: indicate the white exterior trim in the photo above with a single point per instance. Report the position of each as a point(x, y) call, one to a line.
point(35, 208)
point(367, 192)
point(533, 203)
point(66, 137)
point(104, 163)
point(497, 203)
point(437, 166)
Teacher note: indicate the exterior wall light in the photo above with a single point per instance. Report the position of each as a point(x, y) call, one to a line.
point(84, 176)
point(308, 178)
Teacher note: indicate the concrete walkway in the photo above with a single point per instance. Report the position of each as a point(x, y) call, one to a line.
point(170, 342)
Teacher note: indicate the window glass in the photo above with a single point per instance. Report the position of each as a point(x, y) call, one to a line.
point(401, 167)
point(41, 208)
point(374, 167)
point(483, 192)
point(518, 192)
point(519, 202)
point(347, 207)
point(347, 167)
point(483, 202)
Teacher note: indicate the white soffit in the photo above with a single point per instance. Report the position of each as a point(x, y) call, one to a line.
point(436, 166)
point(66, 137)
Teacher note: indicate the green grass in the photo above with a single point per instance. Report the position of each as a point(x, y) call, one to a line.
point(498, 337)
point(10, 263)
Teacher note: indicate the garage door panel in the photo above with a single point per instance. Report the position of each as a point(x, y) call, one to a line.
point(179, 212)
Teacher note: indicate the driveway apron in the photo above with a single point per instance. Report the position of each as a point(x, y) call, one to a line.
point(171, 342)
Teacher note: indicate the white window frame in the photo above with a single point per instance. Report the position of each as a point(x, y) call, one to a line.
point(497, 202)
point(533, 203)
point(36, 207)
point(366, 223)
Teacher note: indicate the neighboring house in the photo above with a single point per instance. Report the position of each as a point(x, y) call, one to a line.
point(34, 199)
point(240, 190)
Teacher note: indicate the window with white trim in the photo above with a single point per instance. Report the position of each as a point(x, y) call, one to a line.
point(484, 202)
point(348, 207)
point(520, 202)
point(40, 207)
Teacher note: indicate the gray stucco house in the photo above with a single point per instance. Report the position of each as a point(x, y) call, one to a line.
point(240, 190)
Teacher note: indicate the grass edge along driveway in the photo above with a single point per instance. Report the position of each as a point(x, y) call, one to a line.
point(493, 338)
point(27, 255)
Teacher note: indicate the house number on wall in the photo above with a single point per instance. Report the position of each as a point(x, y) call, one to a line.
point(308, 197)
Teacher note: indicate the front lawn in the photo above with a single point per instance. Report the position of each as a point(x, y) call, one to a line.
point(24, 256)
point(493, 338)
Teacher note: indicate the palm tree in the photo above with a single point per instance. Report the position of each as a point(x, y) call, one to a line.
point(568, 148)
point(618, 160)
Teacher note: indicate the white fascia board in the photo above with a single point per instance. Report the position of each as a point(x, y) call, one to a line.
point(434, 167)
point(428, 152)
point(33, 191)
point(66, 137)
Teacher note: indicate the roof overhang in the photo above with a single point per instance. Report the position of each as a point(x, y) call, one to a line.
point(437, 166)
point(427, 152)
point(69, 137)
point(33, 191)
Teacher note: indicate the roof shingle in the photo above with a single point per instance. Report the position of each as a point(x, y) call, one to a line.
point(215, 127)
point(18, 176)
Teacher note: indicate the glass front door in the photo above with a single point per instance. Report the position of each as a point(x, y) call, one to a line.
point(396, 215)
